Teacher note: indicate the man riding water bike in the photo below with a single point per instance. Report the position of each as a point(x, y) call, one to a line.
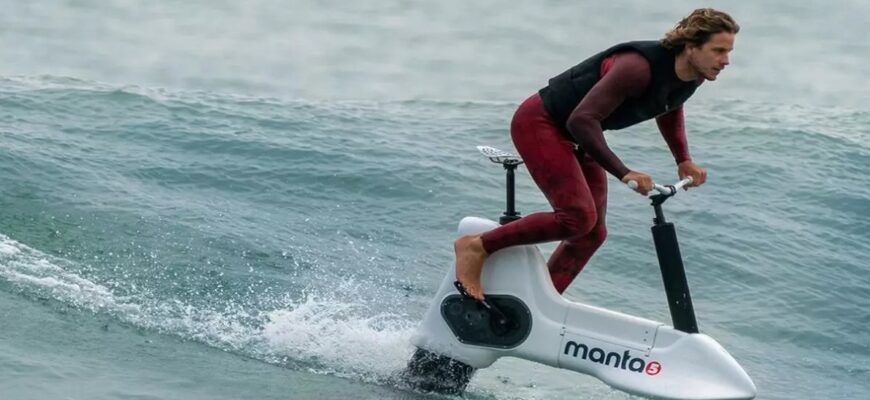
point(558, 132)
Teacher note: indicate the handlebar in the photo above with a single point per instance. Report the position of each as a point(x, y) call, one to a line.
point(667, 190)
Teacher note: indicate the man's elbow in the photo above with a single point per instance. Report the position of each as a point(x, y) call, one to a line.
point(580, 125)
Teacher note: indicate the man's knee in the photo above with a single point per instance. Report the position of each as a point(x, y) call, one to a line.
point(586, 229)
point(577, 223)
point(598, 234)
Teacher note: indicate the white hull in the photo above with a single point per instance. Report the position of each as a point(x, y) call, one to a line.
point(632, 354)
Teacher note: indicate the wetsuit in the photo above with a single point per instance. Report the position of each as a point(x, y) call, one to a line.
point(569, 161)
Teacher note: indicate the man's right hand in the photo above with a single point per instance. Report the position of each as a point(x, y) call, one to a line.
point(644, 181)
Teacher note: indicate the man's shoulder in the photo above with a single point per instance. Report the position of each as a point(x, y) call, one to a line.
point(639, 45)
point(629, 61)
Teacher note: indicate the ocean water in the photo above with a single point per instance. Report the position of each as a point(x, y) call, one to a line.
point(237, 200)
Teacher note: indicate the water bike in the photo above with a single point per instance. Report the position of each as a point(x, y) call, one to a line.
point(524, 316)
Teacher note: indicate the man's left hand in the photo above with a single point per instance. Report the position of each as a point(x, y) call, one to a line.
point(688, 168)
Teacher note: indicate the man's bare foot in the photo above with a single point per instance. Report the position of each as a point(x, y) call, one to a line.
point(470, 256)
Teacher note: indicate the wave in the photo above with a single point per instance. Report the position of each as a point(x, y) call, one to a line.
point(316, 333)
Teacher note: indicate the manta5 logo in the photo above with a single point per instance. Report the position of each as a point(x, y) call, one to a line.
point(622, 361)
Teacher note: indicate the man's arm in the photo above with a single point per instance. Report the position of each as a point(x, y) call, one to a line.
point(673, 128)
point(624, 75)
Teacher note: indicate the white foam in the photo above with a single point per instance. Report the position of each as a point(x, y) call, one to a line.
point(6, 248)
point(335, 335)
point(26, 266)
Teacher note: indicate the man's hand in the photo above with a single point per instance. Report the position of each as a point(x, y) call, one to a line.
point(644, 181)
point(688, 168)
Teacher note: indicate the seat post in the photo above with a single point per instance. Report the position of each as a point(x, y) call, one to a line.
point(510, 162)
point(511, 213)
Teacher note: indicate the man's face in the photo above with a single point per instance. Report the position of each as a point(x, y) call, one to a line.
point(712, 57)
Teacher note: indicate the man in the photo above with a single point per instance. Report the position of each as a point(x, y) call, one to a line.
point(559, 134)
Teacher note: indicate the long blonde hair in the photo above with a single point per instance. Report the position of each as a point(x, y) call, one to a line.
point(697, 27)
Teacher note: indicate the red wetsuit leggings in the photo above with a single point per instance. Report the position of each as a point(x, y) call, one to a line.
point(574, 184)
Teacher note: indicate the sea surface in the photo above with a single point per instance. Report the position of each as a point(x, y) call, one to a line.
point(257, 200)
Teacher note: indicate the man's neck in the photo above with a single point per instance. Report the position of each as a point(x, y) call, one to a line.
point(683, 68)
